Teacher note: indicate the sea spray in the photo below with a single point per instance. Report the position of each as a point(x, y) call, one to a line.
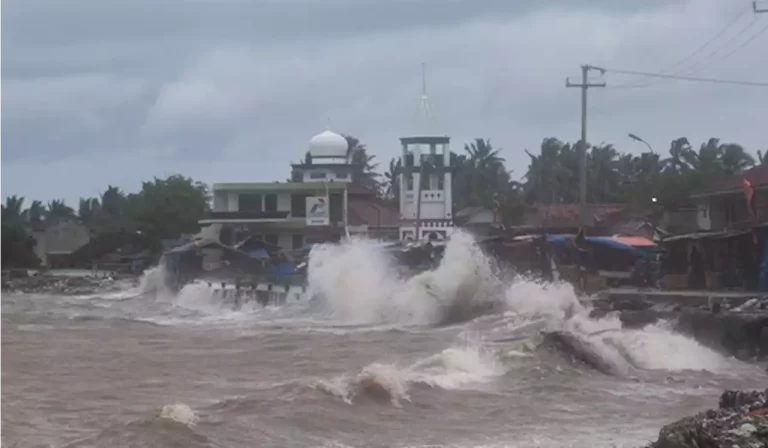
point(359, 283)
point(654, 347)
point(457, 367)
point(153, 280)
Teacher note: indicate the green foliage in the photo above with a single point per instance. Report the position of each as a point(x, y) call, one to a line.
point(162, 209)
point(552, 177)
point(363, 165)
point(614, 177)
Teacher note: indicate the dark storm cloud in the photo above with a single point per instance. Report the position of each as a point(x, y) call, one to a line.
point(233, 90)
point(83, 21)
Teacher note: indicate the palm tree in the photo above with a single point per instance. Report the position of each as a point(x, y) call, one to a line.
point(363, 166)
point(486, 172)
point(679, 151)
point(735, 159)
point(392, 191)
point(35, 214)
point(12, 210)
point(761, 157)
point(58, 210)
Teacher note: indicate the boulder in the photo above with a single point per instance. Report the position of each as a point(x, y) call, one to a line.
point(741, 420)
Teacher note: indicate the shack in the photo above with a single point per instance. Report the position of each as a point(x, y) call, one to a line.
point(206, 259)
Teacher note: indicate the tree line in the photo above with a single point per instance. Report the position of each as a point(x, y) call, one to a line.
point(480, 175)
point(166, 208)
point(161, 209)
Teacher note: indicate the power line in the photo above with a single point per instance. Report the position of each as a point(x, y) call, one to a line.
point(688, 73)
point(685, 78)
point(669, 68)
point(696, 68)
point(744, 44)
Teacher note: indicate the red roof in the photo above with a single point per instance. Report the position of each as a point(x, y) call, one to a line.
point(757, 176)
point(365, 211)
point(359, 189)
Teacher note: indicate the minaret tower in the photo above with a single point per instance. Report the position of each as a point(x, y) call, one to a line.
point(426, 205)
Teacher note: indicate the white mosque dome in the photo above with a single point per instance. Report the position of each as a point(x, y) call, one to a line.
point(328, 144)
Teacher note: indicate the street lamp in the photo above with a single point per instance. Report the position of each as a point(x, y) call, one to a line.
point(638, 139)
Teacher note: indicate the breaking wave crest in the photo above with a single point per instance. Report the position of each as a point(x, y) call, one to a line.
point(357, 281)
point(453, 368)
point(604, 341)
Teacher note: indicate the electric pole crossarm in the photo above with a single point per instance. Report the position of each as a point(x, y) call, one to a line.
point(568, 83)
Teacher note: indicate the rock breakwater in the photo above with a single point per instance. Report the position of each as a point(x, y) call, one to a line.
point(60, 285)
point(741, 420)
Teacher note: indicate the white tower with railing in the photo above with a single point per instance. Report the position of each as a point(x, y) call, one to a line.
point(426, 203)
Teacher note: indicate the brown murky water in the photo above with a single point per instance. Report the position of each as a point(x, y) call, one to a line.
point(109, 372)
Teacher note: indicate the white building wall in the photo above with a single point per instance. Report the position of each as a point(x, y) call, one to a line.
point(284, 202)
point(329, 175)
point(436, 204)
point(703, 214)
point(448, 196)
point(220, 201)
point(234, 201)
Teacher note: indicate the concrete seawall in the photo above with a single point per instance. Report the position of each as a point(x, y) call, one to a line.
point(712, 319)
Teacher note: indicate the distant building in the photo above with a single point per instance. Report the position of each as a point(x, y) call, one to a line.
point(426, 203)
point(723, 204)
point(57, 241)
point(323, 204)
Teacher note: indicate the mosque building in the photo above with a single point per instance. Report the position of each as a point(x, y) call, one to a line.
point(321, 204)
point(324, 202)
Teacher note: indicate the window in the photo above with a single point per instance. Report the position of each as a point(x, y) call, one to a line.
point(409, 182)
point(335, 208)
point(424, 181)
point(248, 202)
point(270, 203)
point(298, 205)
point(317, 175)
point(342, 175)
point(297, 241)
point(271, 239)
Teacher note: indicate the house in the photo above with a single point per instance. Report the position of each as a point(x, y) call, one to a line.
point(367, 215)
point(322, 204)
point(723, 204)
point(57, 241)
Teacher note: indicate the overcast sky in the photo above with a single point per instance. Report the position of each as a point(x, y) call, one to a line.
point(115, 92)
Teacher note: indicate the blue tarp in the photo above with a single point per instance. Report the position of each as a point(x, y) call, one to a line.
point(556, 238)
point(260, 254)
point(284, 269)
point(608, 242)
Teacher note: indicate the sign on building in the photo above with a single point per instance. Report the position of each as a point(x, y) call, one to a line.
point(318, 211)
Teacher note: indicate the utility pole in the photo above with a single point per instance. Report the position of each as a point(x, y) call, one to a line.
point(584, 85)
